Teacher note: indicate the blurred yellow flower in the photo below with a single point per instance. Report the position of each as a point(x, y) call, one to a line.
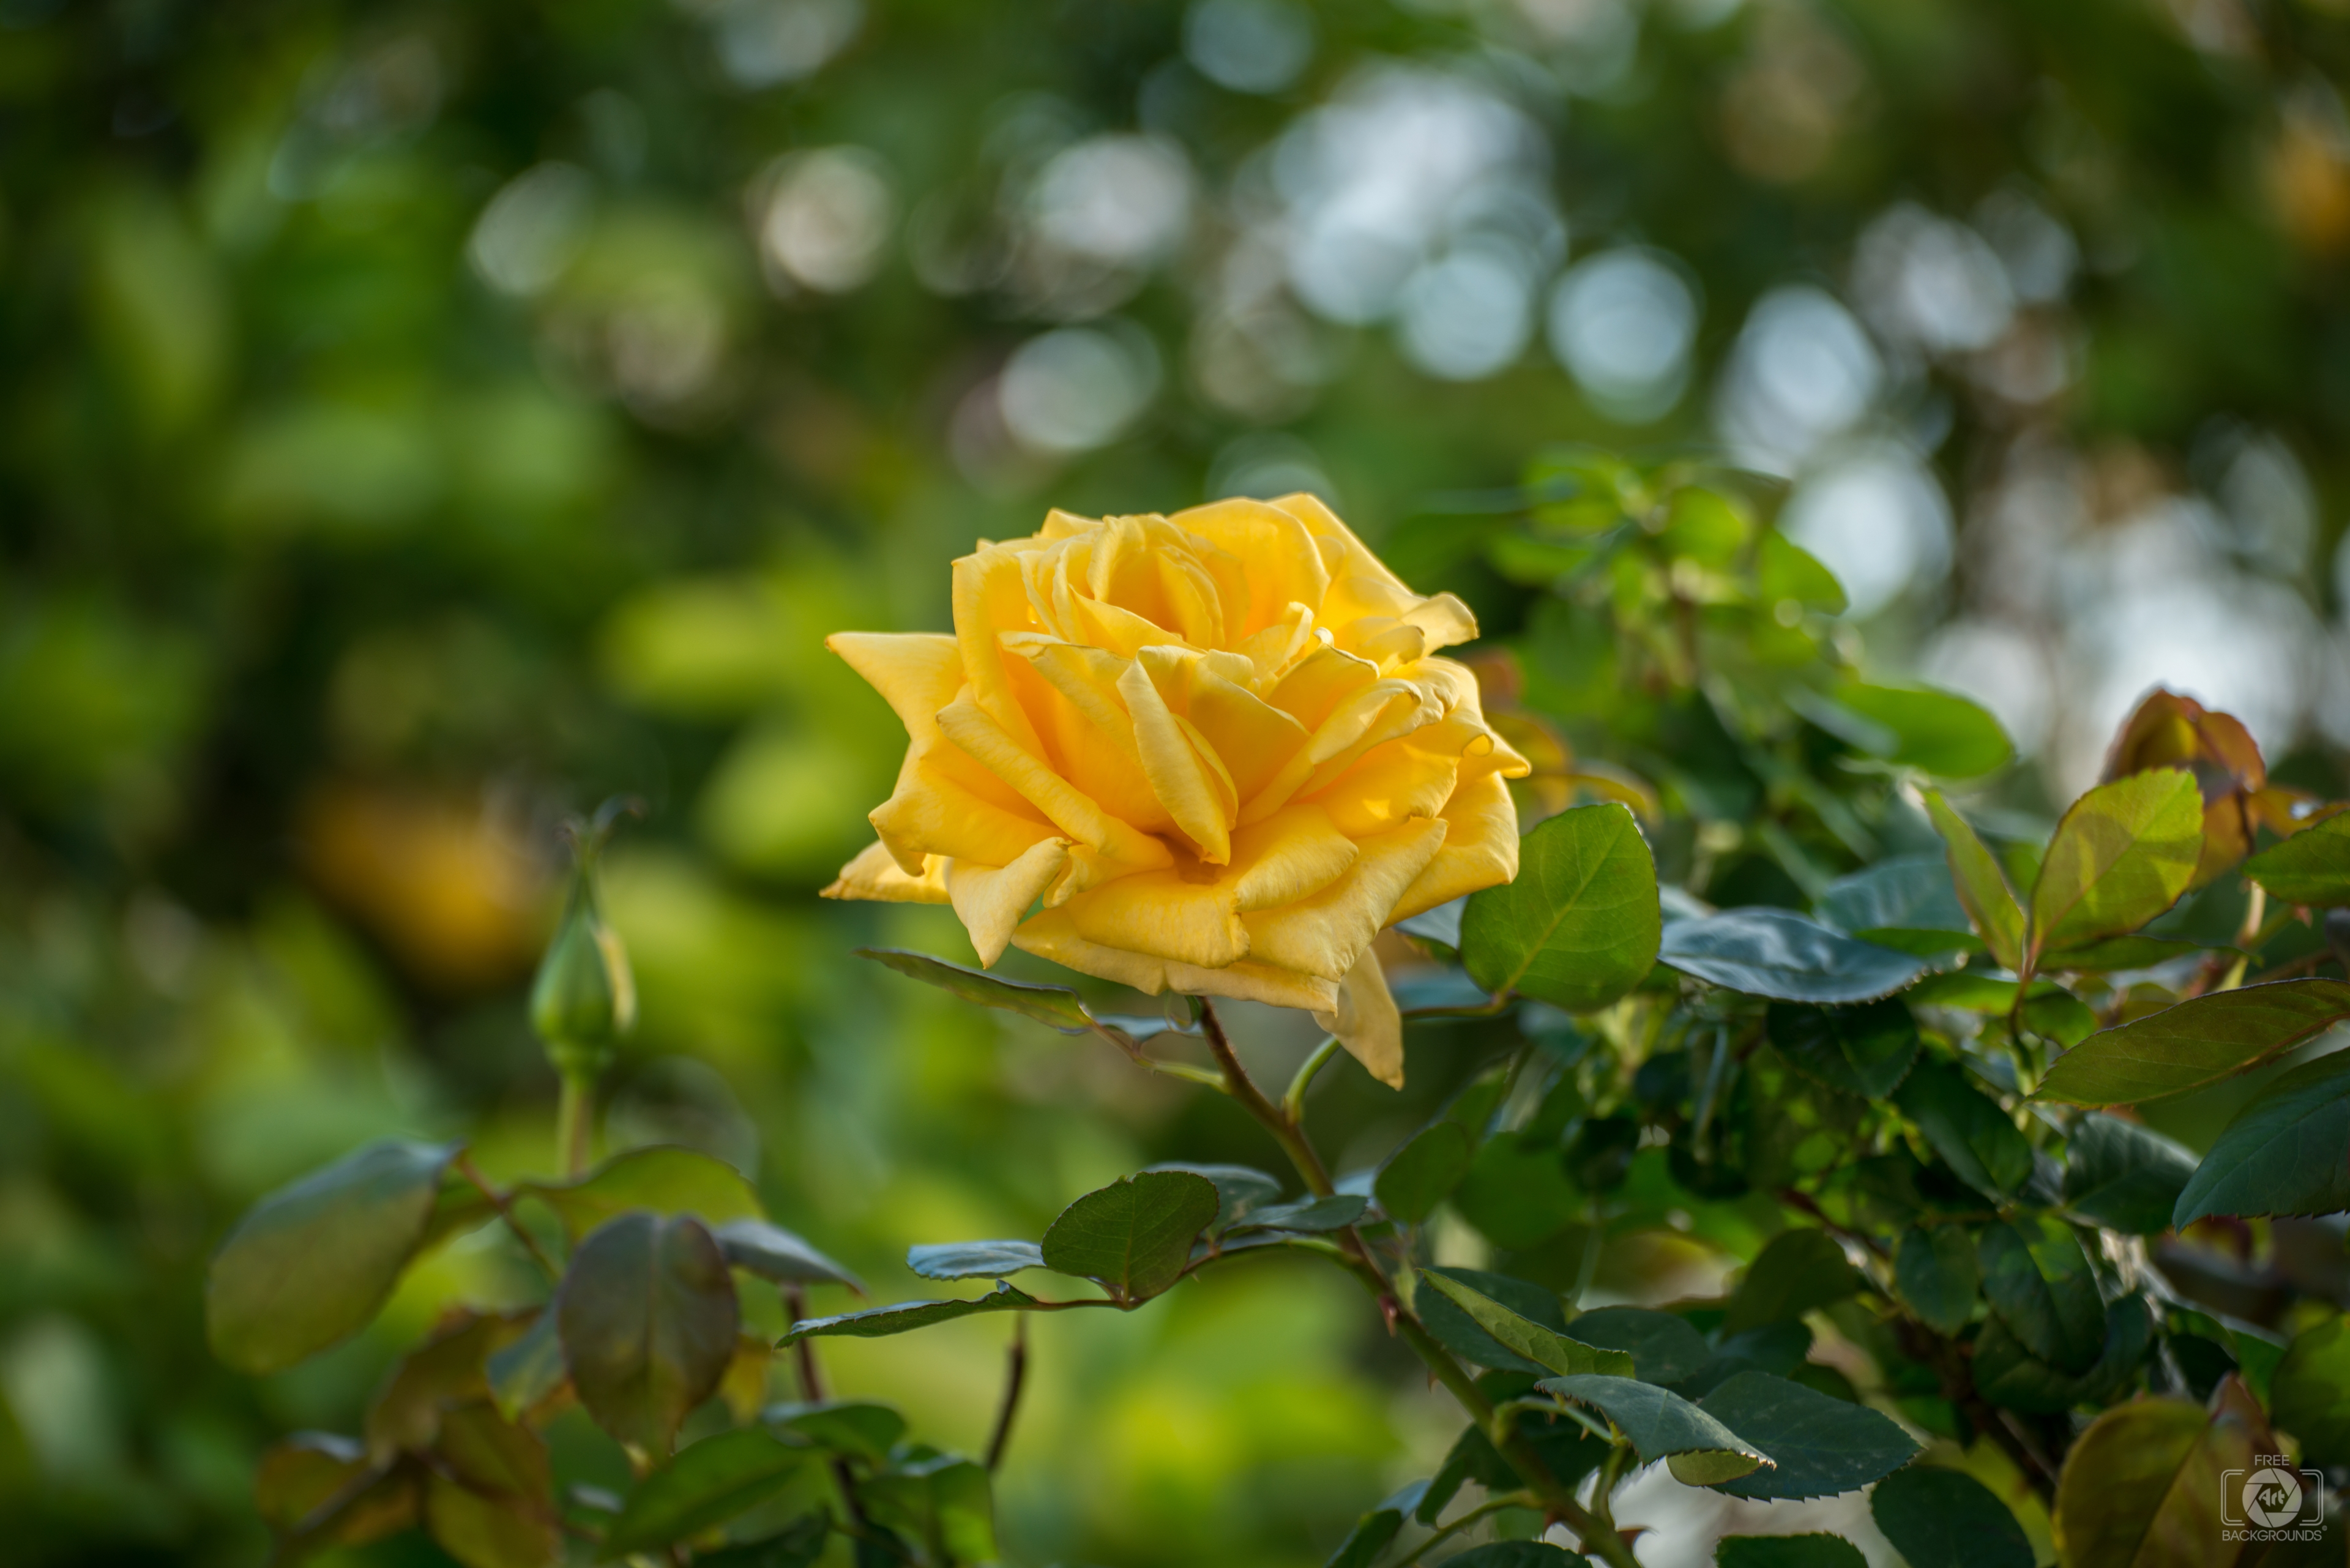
point(1212, 752)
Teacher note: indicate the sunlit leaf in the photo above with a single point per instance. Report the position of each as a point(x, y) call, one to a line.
point(2288, 1152)
point(2313, 867)
point(489, 1500)
point(661, 1178)
point(2171, 731)
point(1934, 731)
point(1547, 1348)
point(2199, 1042)
point(2311, 1399)
point(2148, 1481)
point(2122, 855)
point(647, 1315)
point(1133, 1237)
point(1981, 885)
point(1780, 954)
point(1946, 1519)
point(311, 1264)
point(1578, 926)
point(1661, 1425)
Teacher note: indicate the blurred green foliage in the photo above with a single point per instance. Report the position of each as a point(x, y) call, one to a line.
point(421, 420)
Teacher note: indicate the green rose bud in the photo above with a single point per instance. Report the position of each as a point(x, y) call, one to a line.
point(584, 999)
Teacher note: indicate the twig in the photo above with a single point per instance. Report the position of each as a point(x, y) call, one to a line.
point(1293, 1104)
point(1491, 1505)
point(1016, 1376)
point(504, 1206)
point(804, 1350)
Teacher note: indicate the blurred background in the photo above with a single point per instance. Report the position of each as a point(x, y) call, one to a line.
point(417, 421)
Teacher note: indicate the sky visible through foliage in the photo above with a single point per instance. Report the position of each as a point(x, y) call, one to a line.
point(423, 421)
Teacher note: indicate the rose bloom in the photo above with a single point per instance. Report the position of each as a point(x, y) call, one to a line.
point(1209, 753)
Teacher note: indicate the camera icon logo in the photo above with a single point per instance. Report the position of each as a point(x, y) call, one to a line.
point(2273, 1495)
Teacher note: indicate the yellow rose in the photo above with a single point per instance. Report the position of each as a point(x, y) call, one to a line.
point(1211, 752)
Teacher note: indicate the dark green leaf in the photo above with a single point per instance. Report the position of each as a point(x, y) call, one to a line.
point(973, 1259)
point(1947, 1519)
point(648, 1317)
point(1664, 1348)
point(707, 1484)
point(1933, 732)
point(1909, 893)
point(1798, 1271)
point(1967, 1128)
point(1515, 1554)
point(488, 1503)
point(1811, 1550)
point(1661, 1425)
point(2123, 1175)
point(1578, 926)
point(310, 1264)
point(2006, 1374)
point(1819, 1445)
point(1778, 953)
point(2039, 1280)
point(1133, 1237)
point(2312, 1397)
point(310, 1490)
point(1459, 1332)
point(2288, 1152)
point(859, 1428)
point(2058, 1014)
point(1238, 1187)
point(1865, 1050)
point(1377, 1530)
point(1937, 1272)
point(879, 1323)
point(1549, 1350)
point(2118, 952)
point(1471, 1458)
point(942, 1499)
point(522, 1374)
point(1312, 1216)
point(660, 1179)
point(1778, 1348)
point(2122, 855)
point(775, 1253)
point(2313, 867)
point(1424, 1171)
point(2199, 1042)
point(797, 1546)
point(1054, 1006)
point(1517, 1194)
point(1981, 885)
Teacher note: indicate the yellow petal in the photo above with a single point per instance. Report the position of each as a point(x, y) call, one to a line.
point(1179, 775)
point(1408, 777)
point(1251, 737)
point(932, 813)
point(1273, 545)
point(1290, 855)
point(917, 673)
point(1480, 851)
point(1051, 934)
point(1160, 914)
point(990, 900)
point(1076, 814)
point(1086, 728)
point(1324, 934)
point(991, 596)
point(1445, 619)
point(1320, 683)
point(1250, 982)
point(875, 875)
point(1366, 1023)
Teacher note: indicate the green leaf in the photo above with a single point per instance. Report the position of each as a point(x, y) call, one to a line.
point(2144, 1485)
point(648, 1317)
point(1549, 1350)
point(1377, 1530)
point(1786, 570)
point(1798, 1271)
point(799, 1545)
point(1981, 886)
point(2199, 1042)
point(2039, 1280)
point(856, 1428)
point(522, 1374)
point(1423, 1172)
point(1967, 1128)
point(2288, 1152)
point(2311, 867)
point(707, 1484)
point(309, 1491)
point(1133, 1237)
point(973, 1259)
point(775, 1253)
point(662, 1179)
point(1814, 1549)
point(2006, 1374)
point(1664, 1348)
point(489, 1501)
point(1778, 953)
point(450, 1368)
point(1908, 895)
point(1934, 731)
point(900, 1318)
point(2123, 1175)
point(2117, 952)
point(1578, 926)
point(310, 1264)
point(1865, 1050)
point(1516, 1554)
point(1819, 1445)
point(1517, 1194)
point(941, 1500)
point(1238, 1187)
point(1661, 1425)
point(1778, 1348)
point(1056, 1006)
point(2122, 855)
point(2312, 1392)
point(1937, 1272)
point(1310, 1216)
point(1459, 1333)
point(1947, 1519)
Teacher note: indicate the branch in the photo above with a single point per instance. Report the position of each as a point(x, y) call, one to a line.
point(1016, 1376)
point(504, 1204)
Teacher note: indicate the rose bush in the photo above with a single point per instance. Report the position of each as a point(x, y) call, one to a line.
point(1217, 747)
